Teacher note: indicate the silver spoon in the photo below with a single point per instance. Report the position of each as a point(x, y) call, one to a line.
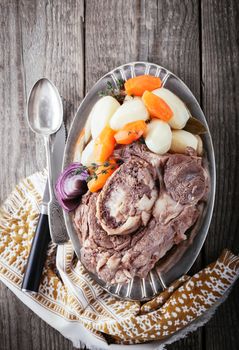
point(45, 117)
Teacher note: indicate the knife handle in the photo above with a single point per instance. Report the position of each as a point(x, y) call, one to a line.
point(37, 256)
point(56, 222)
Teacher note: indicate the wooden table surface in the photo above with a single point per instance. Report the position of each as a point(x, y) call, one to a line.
point(73, 43)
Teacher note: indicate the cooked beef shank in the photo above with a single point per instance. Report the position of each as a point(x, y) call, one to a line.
point(184, 178)
point(118, 258)
point(89, 228)
point(127, 198)
point(156, 239)
point(144, 209)
point(139, 150)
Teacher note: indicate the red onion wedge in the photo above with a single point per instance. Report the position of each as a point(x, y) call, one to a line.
point(71, 185)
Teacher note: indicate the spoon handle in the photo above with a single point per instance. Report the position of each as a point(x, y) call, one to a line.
point(56, 220)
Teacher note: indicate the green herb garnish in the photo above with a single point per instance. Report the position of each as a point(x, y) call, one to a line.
point(116, 91)
point(89, 178)
point(106, 164)
point(80, 170)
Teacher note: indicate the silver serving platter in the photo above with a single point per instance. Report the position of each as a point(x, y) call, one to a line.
point(180, 258)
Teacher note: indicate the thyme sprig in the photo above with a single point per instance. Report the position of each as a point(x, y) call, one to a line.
point(94, 167)
point(80, 170)
point(117, 91)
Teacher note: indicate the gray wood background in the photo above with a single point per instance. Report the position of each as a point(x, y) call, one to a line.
point(196, 39)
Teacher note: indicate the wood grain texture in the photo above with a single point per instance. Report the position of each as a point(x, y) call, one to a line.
point(220, 91)
point(169, 36)
point(111, 32)
point(196, 39)
point(37, 38)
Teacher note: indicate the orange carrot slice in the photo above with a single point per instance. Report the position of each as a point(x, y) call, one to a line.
point(156, 106)
point(104, 145)
point(101, 175)
point(136, 86)
point(130, 132)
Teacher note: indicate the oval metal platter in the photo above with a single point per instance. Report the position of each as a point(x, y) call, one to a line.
point(181, 257)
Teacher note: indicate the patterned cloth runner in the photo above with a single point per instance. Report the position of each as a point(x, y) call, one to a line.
point(70, 301)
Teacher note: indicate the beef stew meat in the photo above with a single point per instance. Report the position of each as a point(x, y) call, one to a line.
point(126, 228)
point(125, 202)
point(184, 178)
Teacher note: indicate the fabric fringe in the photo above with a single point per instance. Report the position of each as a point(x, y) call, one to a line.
point(230, 260)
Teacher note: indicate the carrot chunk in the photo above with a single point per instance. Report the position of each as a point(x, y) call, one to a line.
point(156, 106)
point(130, 132)
point(100, 176)
point(104, 145)
point(138, 85)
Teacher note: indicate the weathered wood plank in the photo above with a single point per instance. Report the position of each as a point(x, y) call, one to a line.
point(43, 38)
point(110, 36)
point(163, 32)
point(38, 38)
point(169, 36)
point(220, 62)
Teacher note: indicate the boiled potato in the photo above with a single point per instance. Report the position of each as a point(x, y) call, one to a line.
point(87, 128)
point(180, 112)
point(79, 148)
point(130, 111)
point(101, 113)
point(181, 140)
point(200, 145)
point(158, 137)
point(87, 156)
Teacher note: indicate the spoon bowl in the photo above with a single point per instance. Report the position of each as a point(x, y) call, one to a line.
point(45, 117)
point(44, 111)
